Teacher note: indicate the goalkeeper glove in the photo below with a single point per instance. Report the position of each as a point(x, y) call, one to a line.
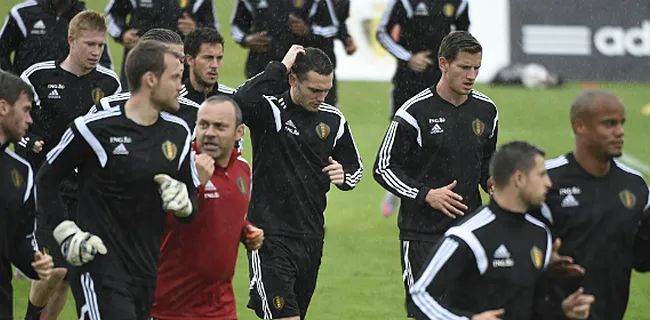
point(174, 195)
point(78, 247)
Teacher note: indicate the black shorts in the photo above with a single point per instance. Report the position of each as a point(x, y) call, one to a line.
point(45, 239)
point(414, 256)
point(283, 276)
point(103, 297)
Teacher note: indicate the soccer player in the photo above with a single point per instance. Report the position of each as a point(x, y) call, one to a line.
point(204, 49)
point(487, 267)
point(436, 153)
point(63, 90)
point(36, 31)
point(595, 207)
point(188, 108)
point(421, 25)
point(193, 283)
point(269, 28)
point(129, 20)
point(300, 146)
point(17, 196)
point(134, 166)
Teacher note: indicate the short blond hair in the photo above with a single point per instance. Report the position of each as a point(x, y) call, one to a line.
point(86, 20)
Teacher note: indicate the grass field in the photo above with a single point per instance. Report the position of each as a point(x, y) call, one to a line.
point(360, 276)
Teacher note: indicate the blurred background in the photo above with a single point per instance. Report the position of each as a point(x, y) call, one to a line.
point(537, 56)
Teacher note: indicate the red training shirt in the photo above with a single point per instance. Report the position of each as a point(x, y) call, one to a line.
point(197, 260)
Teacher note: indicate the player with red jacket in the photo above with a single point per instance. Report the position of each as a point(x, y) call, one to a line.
point(197, 260)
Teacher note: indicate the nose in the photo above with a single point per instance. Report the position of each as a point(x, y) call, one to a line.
point(547, 182)
point(322, 95)
point(29, 119)
point(619, 131)
point(472, 74)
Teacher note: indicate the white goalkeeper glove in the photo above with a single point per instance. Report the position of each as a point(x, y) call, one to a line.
point(78, 247)
point(174, 195)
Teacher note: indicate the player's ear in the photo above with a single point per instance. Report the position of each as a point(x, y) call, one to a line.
point(189, 59)
point(149, 79)
point(442, 62)
point(70, 40)
point(239, 132)
point(293, 79)
point(4, 107)
point(518, 179)
point(578, 126)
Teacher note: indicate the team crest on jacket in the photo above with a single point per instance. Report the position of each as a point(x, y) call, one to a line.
point(278, 302)
point(183, 3)
point(478, 127)
point(298, 3)
point(537, 256)
point(97, 94)
point(241, 184)
point(322, 130)
point(16, 178)
point(628, 198)
point(448, 10)
point(169, 150)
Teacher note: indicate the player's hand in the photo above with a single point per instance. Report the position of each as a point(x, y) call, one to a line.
point(258, 42)
point(298, 26)
point(335, 171)
point(489, 315)
point(174, 195)
point(43, 265)
point(186, 24)
point(350, 46)
point(420, 61)
point(253, 237)
point(78, 247)
point(38, 146)
point(205, 167)
point(290, 58)
point(130, 38)
point(447, 201)
point(563, 266)
point(578, 305)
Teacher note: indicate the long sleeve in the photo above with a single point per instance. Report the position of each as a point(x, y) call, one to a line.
point(641, 254)
point(10, 36)
point(241, 22)
point(69, 154)
point(450, 259)
point(488, 150)
point(205, 14)
point(346, 153)
point(256, 111)
point(116, 12)
point(21, 253)
point(462, 16)
point(188, 174)
point(400, 140)
point(394, 15)
point(343, 13)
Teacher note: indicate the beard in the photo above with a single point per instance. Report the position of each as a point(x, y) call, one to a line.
point(202, 82)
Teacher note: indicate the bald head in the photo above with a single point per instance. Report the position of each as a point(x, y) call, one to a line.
point(597, 119)
point(218, 127)
point(220, 102)
point(591, 101)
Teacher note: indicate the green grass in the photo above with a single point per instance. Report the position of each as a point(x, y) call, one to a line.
point(360, 276)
